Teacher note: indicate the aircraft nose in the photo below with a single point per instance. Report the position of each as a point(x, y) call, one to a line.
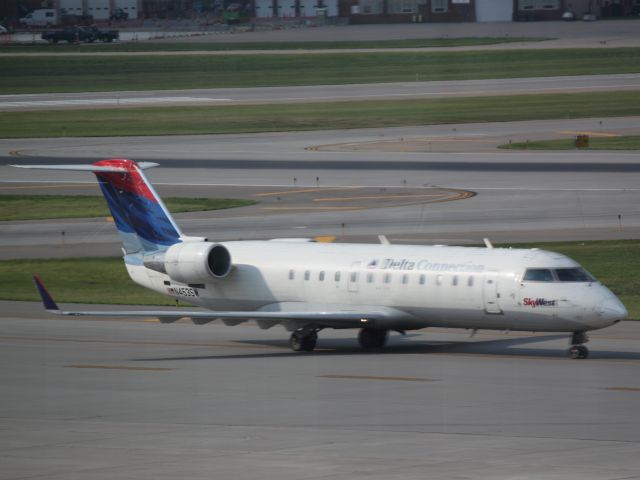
point(611, 310)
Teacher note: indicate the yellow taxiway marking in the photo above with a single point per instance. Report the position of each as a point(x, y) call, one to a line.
point(370, 377)
point(623, 389)
point(325, 238)
point(593, 134)
point(303, 190)
point(121, 367)
point(376, 197)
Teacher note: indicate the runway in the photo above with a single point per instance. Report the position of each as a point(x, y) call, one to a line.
point(125, 399)
point(324, 93)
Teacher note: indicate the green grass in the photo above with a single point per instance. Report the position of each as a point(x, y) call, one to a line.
point(76, 280)
point(160, 46)
point(313, 116)
point(104, 280)
point(630, 142)
point(69, 73)
point(39, 207)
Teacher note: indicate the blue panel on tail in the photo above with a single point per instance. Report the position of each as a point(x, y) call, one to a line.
point(135, 214)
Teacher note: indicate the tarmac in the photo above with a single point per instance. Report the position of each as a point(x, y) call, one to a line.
point(138, 400)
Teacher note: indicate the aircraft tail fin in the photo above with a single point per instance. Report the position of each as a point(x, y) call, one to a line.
point(140, 216)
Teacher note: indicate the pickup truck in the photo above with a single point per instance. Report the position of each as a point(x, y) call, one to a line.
point(80, 34)
point(104, 35)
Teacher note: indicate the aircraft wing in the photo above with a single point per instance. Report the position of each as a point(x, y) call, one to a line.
point(276, 313)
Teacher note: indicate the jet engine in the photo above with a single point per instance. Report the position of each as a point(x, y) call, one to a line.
point(197, 262)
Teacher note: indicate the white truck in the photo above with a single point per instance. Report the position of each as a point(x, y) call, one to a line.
point(42, 17)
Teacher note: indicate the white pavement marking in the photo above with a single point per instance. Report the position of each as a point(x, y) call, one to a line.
point(324, 187)
point(111, 101)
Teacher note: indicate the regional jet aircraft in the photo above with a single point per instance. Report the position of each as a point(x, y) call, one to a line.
point(307, 286)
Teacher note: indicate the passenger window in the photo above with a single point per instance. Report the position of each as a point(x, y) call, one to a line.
point(369, 277)
point(538, 275)
point(336, 277)
point(292, 274)
point(307, 275)
point(354, 276)
point(405, 279)
point(422, 280)
point(439, 280)
point(321, 277)
point(454, 281)
point(387, 278)
point(470, 282)
point(573, 275)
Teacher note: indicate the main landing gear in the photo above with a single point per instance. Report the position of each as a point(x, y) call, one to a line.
point(372, 339)
point(304, 340)
point(577, 350)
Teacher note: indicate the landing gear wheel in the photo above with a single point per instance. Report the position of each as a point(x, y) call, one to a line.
point(372, 339)
point(578, 352)
point(303, 342)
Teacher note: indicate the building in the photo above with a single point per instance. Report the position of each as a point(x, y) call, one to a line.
point(353, 11)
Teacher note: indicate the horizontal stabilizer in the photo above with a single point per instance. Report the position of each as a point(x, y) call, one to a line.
point(327, 317)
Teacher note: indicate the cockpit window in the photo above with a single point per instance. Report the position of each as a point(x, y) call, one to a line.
point(538, 275)
point(573, 275)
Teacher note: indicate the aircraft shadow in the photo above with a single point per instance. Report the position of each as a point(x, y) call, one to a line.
point(402, 346)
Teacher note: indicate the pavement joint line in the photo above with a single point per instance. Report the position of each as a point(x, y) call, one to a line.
point(23, 187)
point(283, 209)
point(303, 190)
point(622, 389)
point(121, 367)
point(372, 377)
point(128, 342)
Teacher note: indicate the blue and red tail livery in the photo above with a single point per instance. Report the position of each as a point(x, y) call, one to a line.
point(140, 216)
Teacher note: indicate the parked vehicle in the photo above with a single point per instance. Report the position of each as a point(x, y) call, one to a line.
point(42, 17)
point(70, 35)
point(104, 35)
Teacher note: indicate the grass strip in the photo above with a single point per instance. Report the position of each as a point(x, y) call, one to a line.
point(160, 46)
point(313, 116)
point(76, 280)
point(105, 280)
point(69, 73)
point(40, 207)
point(630, 142)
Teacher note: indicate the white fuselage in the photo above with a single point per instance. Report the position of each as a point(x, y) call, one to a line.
point(462, 287)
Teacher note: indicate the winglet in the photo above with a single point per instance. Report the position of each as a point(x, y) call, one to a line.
point(47, 300)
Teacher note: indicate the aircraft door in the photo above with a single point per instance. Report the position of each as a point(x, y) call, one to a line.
point(353, 276)
point(490, 293)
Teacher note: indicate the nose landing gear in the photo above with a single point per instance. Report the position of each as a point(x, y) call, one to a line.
point(577, 350)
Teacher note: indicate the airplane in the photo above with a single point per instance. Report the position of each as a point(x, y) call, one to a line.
point(308, 286)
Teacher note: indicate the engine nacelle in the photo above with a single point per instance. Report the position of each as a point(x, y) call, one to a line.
point(197, 262)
